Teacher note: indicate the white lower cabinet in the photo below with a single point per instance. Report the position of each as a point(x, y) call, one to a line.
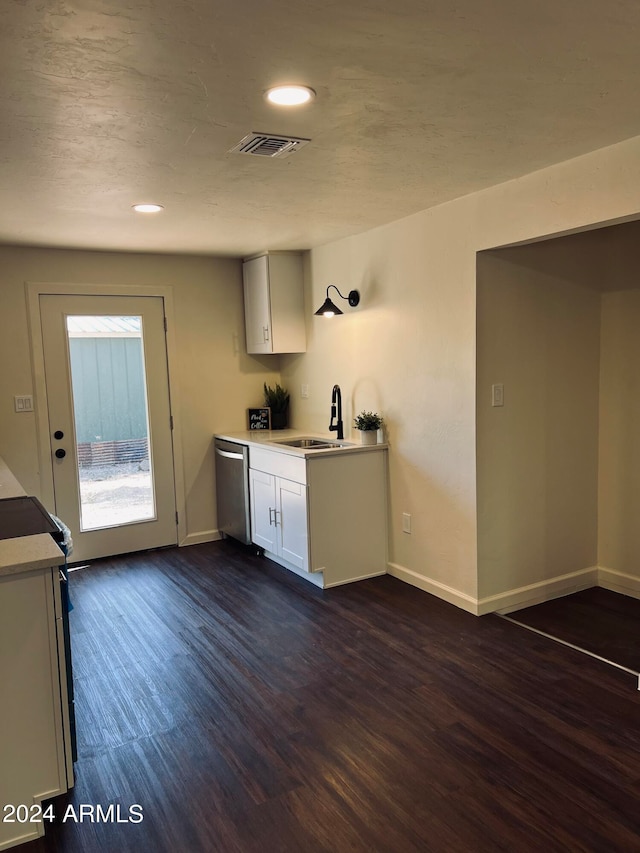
point(279, 517)
point(323, 517)
point(35, 734)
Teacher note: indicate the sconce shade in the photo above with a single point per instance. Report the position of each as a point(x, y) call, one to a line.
point(330, 309)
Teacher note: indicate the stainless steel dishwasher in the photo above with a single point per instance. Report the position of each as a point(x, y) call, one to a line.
point(232, 489)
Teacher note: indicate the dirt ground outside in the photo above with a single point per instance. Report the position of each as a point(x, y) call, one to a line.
point(118, 493)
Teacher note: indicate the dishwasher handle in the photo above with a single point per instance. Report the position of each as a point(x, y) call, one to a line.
point(229, 455)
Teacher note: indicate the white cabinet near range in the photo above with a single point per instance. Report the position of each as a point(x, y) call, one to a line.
point(274, 303)
point(35, 733)
point(321, 515)
point(36, 762)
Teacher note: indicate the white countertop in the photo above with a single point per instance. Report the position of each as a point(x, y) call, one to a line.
point(269, 439)
point(24, 553)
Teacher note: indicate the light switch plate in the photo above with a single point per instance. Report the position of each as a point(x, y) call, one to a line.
point(497, 394)
point(23, 403)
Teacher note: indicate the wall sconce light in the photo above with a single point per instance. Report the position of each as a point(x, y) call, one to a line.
point(329, 309)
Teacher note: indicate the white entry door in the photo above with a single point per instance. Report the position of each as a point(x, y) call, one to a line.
point(109, 413)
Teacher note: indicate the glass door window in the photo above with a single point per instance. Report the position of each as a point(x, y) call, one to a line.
point(111, 420)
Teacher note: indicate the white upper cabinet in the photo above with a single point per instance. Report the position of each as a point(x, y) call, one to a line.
point(274, 303)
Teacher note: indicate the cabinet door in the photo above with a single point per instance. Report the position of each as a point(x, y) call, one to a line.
point(31, 736)
point(257, 305)
point(262, 491)
point(293, 540)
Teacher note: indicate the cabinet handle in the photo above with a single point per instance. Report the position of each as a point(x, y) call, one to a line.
point(265, 333)
point(271, 510)
point(276, 513)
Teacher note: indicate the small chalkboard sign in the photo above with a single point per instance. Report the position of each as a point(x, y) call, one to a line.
point(259, 418)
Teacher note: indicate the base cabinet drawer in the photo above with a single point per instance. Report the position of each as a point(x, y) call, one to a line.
point(283, 465)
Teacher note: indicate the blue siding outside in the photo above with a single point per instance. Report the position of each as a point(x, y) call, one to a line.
point(108, 389)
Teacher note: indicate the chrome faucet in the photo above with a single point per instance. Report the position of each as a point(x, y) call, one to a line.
point(336, 410)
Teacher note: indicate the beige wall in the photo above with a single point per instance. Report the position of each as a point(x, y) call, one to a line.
point(408, 353)
point(619, 494)
point(409, 349)
point(537, 456)
point(214, 380)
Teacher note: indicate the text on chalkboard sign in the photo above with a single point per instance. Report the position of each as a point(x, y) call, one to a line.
point(259, 418)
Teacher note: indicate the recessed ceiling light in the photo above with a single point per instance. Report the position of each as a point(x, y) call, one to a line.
point(290, 96)
point(147, 208)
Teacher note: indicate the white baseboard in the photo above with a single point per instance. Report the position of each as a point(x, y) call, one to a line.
point(198, 538)
point(440, 590)
point(536, 593)
point(619, 582)
point(513, 599)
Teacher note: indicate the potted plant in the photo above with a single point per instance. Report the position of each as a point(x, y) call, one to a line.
point(368, 423)
point(277, 399)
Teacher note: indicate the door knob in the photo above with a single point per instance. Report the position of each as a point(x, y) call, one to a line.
point(60, 453)
point(58, 434)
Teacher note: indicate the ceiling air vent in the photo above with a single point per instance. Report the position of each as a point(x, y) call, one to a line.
point(268, 145)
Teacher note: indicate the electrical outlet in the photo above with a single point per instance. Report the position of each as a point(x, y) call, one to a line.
point(304, 391)
point(406, 522)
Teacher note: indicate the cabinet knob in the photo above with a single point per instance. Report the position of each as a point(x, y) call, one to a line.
point(60, 453)
point(58, 434)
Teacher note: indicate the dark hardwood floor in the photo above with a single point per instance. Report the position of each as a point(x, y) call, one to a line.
point(597, 620)
point(246, 710)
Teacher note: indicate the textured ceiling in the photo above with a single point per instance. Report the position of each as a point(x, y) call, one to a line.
point(103, 104)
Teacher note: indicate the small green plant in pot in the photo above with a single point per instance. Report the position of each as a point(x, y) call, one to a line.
point(368, 423)
point(278, 401)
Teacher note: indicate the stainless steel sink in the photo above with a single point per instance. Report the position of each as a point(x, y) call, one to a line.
point(308, 443)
